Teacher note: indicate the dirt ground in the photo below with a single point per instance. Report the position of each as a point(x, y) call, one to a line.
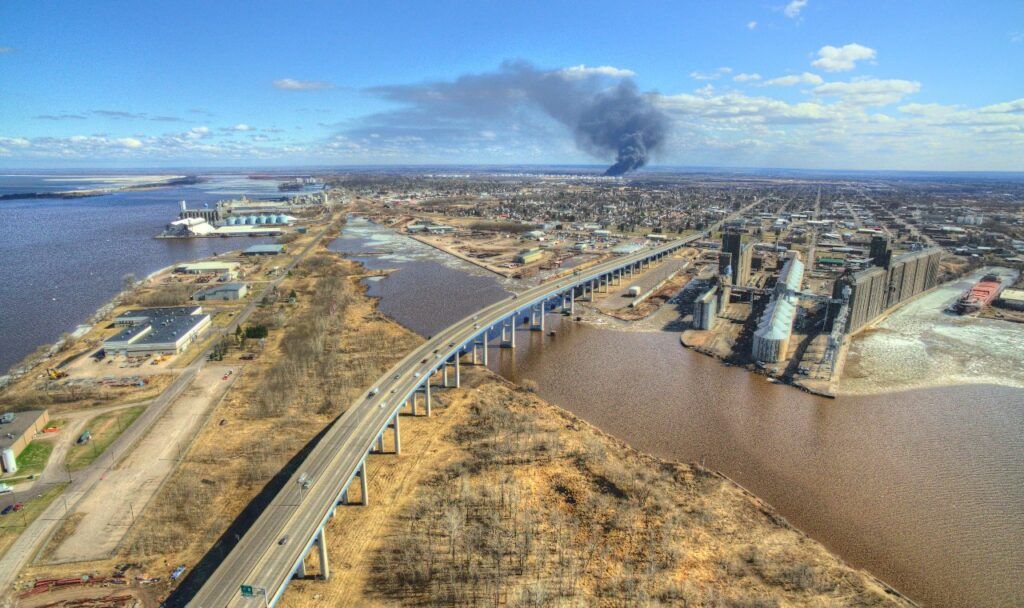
point(107, 512)
point(500, 498)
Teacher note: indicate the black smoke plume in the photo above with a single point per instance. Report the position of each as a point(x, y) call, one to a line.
point(601, 107)
point(625, 122)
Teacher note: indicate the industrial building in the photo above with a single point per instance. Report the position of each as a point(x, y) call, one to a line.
point(705, 308)
point(268, 219)
point(264, 250)
point(228, 269)
point(775, 327)
point(224, 291)
point(1012, 299)
point(740, 256)
point(16, 432)
point(878, 288)
point(528, 255)
point(157, 331)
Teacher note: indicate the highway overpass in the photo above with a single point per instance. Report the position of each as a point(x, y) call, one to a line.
point(273, 550)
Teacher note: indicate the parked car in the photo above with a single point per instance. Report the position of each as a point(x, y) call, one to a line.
point(7, 510)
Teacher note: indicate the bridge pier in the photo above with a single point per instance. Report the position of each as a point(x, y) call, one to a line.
point(481, 344)
point(398, 435)
point(537, 317)
point(508, 332)
point(365, 497)
point(569, 302)
point(321, 545)
point(426, 396)
point(453, 362)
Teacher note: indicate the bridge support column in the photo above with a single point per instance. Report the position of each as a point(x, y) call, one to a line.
point(452, 380)
point(301, 572)
point(537, 317)
point(508, 332)
point(321, 545)
point(379, 449)
point(426, 397)
point(412, 401)
point(398, 434)
point(363, 484)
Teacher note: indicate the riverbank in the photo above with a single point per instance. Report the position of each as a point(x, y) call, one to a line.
point(724, 543)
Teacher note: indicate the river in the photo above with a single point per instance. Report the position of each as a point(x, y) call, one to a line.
point(64, 258)
point(924, 488)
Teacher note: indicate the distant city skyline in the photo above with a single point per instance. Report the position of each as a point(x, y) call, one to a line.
point(814, 84)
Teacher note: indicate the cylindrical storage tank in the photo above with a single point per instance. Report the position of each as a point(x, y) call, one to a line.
point(280, 220)
point(10, 464)
point(250, 220)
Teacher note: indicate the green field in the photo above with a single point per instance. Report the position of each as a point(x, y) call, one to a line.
point(105, 428)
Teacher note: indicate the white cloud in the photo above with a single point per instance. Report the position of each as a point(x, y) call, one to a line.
point(290, 84)
point(582, 71)
point(1016, 37)
point(788, 81)
point(130, 143)
point(746, 77)
point(844, 58)
point(241, 127)
point(1010, 107)
point(197, 132)
point(869, 92)
point(751, 25)
point(718, 73)
point(15, 142)
point(6, 49)
point(793, 9)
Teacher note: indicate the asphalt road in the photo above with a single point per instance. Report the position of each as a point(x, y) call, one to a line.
point(32, 538)
point(268, 553)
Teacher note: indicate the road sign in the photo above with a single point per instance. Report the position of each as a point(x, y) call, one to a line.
point(247, 591)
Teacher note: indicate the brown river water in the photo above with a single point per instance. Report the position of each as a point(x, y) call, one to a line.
point(924, 488)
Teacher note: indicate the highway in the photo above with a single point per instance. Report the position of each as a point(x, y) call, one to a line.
point(32, 538)
point(271, 551)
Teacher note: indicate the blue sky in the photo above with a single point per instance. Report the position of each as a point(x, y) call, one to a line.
point(795, 83)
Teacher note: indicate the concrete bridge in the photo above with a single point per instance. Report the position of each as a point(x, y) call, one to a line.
point(274, 549)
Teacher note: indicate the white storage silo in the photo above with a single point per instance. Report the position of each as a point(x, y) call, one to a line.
point(10, 464)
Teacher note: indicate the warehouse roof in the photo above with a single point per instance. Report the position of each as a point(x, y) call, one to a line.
point(264, 249)
point(1012, 295)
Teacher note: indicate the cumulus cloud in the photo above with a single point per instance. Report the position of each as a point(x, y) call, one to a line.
point(715, 75)
point(793, 79)
point(130, 143)
point(582, 71)
point(241, 127)
point(291, 84)
point(751, 25)
point(843, 58)
point(869, 92)
point(792, 10)
point(746, 77)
